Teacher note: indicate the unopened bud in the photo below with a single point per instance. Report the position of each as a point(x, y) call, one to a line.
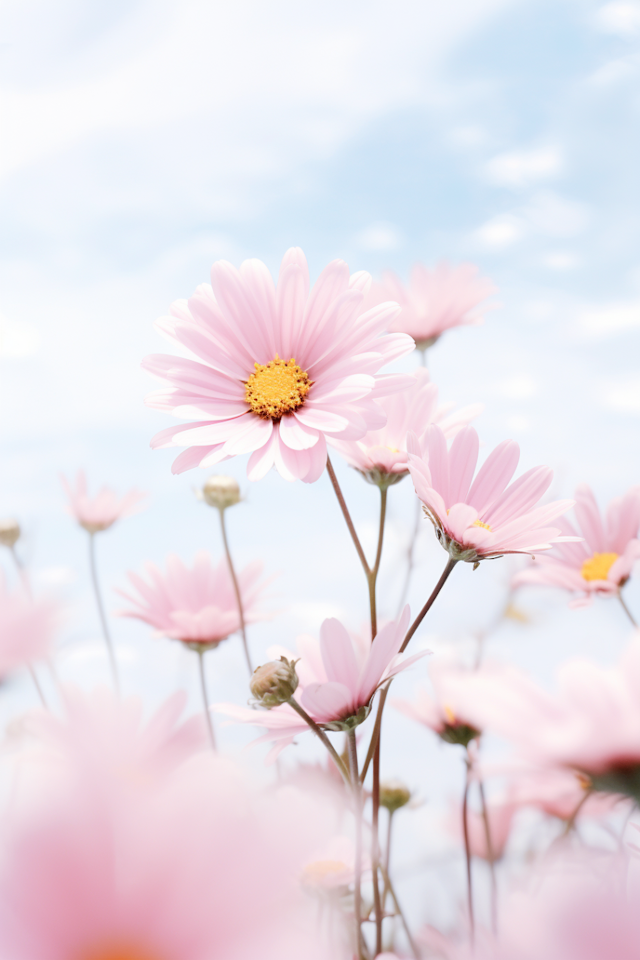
point(274, 683)
point(221, 491)
point(393, 795)
point(9, 533)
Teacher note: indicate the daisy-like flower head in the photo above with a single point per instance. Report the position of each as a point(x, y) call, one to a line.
point(99, 512)
point(277, 370)
point(27, 627)
point(381, 455)
point(602, 563)
point(486, 517)
point(197, 606)
point(338, 679)
point(435, 300)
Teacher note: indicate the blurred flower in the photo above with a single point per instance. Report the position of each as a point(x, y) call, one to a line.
point(338, 678)
point(9, 532)
point(332, 871)
point(435, 300)
point(564, 794)
point(279, 370)
point(500, 817)
point(197, 606)
point(221, 491)
point(274, 682)
point(204, 866)
point(394, 795)
point(381, 455)
point(26, 627)
point(485, 518)
point(100, 512)
point(600, 564)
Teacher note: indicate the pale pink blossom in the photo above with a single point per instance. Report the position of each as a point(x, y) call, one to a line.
point(332, 869)
point(101, 511)
point(435, 300)
point(27, 627)
point(339, 677)
point(278, 370)
point(195, 605)
point(559, 793)
point(381, 455)
point(489, 516)
point(203, 867)
point(603, 561)
point(500, 816)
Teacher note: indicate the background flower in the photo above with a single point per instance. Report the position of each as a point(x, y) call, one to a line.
point(101, 511)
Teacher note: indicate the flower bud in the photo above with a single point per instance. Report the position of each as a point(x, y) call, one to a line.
point(393, 795)
point(9, 533)
point(221, 491)
point(274, 683)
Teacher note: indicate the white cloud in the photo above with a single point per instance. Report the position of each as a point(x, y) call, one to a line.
point(520, 168)
point(501, 231)
point(379, 236)
point(556, 216)
point(619, 18)
point(622, 397)
point(17, 339)
point(520, 387)
point(561, 260)
point(608, 320)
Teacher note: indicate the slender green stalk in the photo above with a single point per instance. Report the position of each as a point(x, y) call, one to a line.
point(425, 610)
point(387, 858)
point(205, 701)
point(319, 732)
point(347, 517)
point(490, 858)
point(626, 610)
point(357, 799)
point(399, 911)
point(36, 683)
point(467, 852)
point(236, 588)
point(103, 618)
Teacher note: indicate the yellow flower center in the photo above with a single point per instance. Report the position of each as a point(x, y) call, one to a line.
point(277, 388)
point(597, 567)
point(322, 869)
point(479, 523)
point(449, 715)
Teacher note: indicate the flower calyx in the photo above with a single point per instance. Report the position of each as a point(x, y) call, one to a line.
point(9, 533)
point(274, 683)
point(220, 491)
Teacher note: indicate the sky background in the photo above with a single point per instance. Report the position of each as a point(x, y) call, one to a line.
point(141, 141)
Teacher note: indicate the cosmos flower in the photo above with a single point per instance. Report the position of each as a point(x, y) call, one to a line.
point(27, 627)
point(381, 455)
point(99, 512)
point(435, 300)
point(338, 679)
point(196, 606)
point(488, 517)
point(602, 563)
point(500, 816)
point(278, 370)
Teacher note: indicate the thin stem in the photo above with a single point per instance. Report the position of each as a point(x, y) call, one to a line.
point(375, 736)
point(205, 701)
point(571, 822)
point(357, 798)
point(319, 732)
point(410, 556)
point(236, 589)
point(36, 683)
point(387, 858)
point(626, 610)
point(490, 857)
point(425, 610)
point(101, 613)
point(399, 911)
point(467, 851)
point(347, 517)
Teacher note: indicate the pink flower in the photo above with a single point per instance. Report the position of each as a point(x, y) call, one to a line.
point(602, 562)
point(26, 627)
point(339, 677)
point(500, 815)
point(203, 867)
point(278, 370)
point(381, 455)
point(332, 869)
point(559, 793)
point(435, 300)
point(196, 606)
point(100, 512)
point(487, 517)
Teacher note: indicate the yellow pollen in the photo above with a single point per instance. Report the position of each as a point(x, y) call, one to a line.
point(479, 523)
point(321, 869)
point(597, 567)
point(277, 388)
point(449, 715)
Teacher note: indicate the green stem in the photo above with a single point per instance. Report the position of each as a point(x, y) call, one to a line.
point(425, 610)
point(103, 618)
point(319, 732)
point(357, 798)
point(467, 851)
point(491, 859)
point(236, 589)
point(205, 701)
point(626, 610)
point(347, 517)
point(399, 911)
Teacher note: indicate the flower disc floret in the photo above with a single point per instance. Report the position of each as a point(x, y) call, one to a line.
point(277, 388)
point(597, 567)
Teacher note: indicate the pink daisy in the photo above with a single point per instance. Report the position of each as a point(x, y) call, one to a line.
point(487, 517)
point(197, 606)
point(27, 627)
point(600, 564)
point(500, 815)
point(277, 370)
point(381, 455)
point(339, 677)
point(99, 512)
point(435, 300)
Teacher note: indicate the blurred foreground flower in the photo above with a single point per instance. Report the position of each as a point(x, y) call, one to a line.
point(101, 511)
point(434, 300)
point(278, 370)
point(381, 455)
point(488, 517)
point(27, 627)
point(197, 606)
point(603, 562)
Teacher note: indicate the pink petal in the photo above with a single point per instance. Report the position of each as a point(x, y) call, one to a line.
point(327, 701)
point(463, 458)
point(494, 475)
point(338, 655)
